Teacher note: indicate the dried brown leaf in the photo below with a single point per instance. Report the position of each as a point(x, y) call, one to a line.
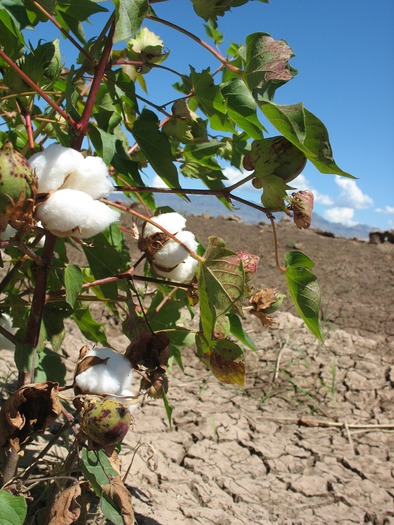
point(150, 351)
point(29, 410)
point(121, 498)
point(65, 510)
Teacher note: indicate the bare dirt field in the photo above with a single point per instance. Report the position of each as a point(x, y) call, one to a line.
point(309, 439)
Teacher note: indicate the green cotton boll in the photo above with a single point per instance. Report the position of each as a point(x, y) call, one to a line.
point(276, 156)
point(18, 187)
point(105, 421)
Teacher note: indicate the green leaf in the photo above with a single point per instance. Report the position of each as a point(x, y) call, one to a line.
point(89, 327)
point(156, 147)
point(238, 331)
point(110, 511)
point(267, 65)
point(50, 367)
point(211, 9)
point(304, 290)
point(129, 15)
point(73, 281)
point(13, 509)
point(306, 131)
point(241, 107)
point(168, 409)
point(24, 354)
point(71, 13)
point(11, 38)
point(104, 143)
point(97, 469)
point(210, 100)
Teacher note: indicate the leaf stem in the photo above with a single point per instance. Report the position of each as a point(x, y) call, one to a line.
point(204, 44)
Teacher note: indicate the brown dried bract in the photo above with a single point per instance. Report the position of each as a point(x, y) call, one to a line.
point(28, 411)
point(152, 244)
point(150, 351)
point(262, 302)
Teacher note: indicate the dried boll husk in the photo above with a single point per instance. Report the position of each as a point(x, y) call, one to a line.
point(105, 421)
point(18, 188)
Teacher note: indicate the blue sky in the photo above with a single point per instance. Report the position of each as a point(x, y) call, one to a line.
point(344, 54)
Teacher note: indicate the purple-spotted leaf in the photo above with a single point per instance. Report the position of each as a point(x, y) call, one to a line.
point(267, 65)
point(221, 283)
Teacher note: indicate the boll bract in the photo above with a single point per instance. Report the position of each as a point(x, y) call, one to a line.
point(103, 371)
point(168, 258)
point(73, 183)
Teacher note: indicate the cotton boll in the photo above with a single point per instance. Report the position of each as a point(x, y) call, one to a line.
point(172, 252)
point(53, 165)
point(115, 376)
point(75, 213)
point(91, 177)
point(6, 322)
point(183, 273)
point(173, 222)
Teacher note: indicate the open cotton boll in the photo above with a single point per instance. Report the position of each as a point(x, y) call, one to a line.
point(172, 252)
point(75, 213)
point(6, 322)
point(183, 273)
point(115, 376)
point(91, 177)
point(53, 165)
point(173, 222)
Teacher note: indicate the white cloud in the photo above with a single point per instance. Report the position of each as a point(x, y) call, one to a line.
point(234, 176)
point(388, 210)
point(302, 183)
point(343, 215)
point(351, 195)
point(157, 182)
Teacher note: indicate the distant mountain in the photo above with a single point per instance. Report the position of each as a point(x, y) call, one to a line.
point(201, 204)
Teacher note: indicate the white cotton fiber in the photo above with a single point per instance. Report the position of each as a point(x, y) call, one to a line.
point(91, 177)
point(113, 377)
point(8, 233)
point(172, 252)
point(183, 273)
point(53, 165)
point(75, 213)
point(6, 322)
point(172, 222)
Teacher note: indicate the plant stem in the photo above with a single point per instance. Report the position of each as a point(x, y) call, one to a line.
point(199, 41)
point(36, 88)
point(82, 126)
point(38, 302)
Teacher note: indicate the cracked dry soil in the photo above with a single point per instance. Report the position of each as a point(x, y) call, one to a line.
point(309, 439)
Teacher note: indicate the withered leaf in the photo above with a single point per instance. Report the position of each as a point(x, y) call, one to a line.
point(150, 351)
point(118, 494)
point(29, 410)
point(65, 509)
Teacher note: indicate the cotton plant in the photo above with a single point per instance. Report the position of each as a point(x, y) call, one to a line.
point(6, 323)
point(74, 184)
point(169, 258)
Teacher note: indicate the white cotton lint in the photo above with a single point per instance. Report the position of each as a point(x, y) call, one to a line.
point(172, 222)
point(8, 233)
point(53, 165)
point(91, 177)
point(183, 273)
point(75, 213)
point(172, 252)
point(115, 376)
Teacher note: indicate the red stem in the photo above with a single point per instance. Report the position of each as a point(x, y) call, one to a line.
point(82, 126)
point(29, 129)
point(278, 265)
point(36, 88)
